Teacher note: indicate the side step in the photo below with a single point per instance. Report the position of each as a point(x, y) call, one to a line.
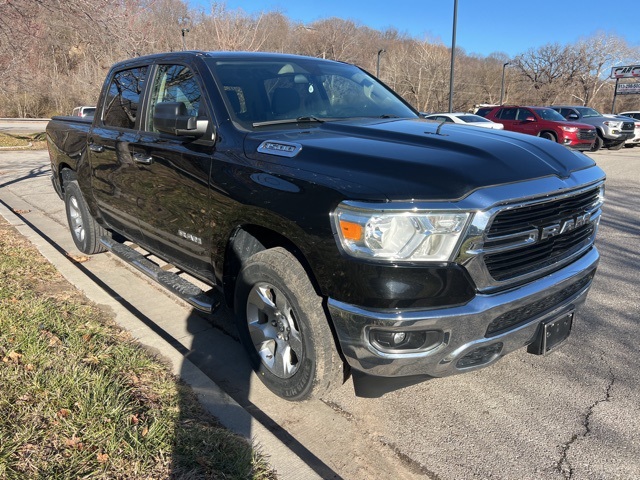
point(206, 302)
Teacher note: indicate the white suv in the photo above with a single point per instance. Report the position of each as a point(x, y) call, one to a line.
point(635, 114)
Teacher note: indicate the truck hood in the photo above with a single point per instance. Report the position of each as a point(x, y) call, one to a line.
point(406, 159)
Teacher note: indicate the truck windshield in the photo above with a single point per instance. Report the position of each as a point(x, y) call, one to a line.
point(275, 91)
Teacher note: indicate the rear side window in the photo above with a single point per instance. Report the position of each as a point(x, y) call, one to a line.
point(507, 114)
point(122, 102)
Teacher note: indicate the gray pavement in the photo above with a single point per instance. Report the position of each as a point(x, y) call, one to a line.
point(574, 414)
point(22, 126)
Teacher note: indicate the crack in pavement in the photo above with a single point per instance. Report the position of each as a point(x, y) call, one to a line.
point(564, 465)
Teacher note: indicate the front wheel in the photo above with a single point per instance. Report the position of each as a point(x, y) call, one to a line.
point(283, 327)
point(84, 229)
point(548, 136)
point(617, 146)
point(597, 144)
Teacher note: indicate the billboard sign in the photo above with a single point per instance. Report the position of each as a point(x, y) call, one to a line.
point(628, 88)
point(630, 71)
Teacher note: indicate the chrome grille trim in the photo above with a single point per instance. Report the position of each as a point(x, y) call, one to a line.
point(486, 243)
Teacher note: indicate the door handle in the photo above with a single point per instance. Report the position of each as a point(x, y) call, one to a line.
point(143, 158)
point(94, 147)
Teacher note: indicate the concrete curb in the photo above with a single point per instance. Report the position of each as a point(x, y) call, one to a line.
point(230, 414)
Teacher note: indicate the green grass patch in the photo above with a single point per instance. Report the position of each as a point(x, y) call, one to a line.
point(81, 399)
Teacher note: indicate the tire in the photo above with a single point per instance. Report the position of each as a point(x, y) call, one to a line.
point(617, 146)
point(629, 145)
point(85, 231)
point(548, 136)
point(283, 327)
point(597, 145)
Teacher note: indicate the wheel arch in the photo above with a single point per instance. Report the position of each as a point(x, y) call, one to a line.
point(248, 239)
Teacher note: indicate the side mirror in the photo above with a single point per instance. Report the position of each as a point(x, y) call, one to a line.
point(530, 119)
point(572, 116)
point(173, 118)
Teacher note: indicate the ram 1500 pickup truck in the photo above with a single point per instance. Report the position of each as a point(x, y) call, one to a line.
point(348, 234)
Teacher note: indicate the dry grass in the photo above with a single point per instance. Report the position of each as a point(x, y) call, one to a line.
point(81, 399)
point(36, 141)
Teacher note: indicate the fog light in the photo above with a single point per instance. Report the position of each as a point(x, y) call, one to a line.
point(480, 356)
point(402, 341)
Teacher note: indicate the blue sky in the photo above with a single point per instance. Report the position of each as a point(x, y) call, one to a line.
point(484, 26)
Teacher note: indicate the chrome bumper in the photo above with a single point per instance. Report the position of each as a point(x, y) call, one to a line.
point(464, 328)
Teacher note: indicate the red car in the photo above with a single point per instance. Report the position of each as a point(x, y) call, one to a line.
point(542, 122)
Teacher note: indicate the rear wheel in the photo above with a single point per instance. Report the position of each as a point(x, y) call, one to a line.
point(85, 231)
point(283, 327)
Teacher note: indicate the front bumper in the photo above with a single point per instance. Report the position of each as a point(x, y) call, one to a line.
point(464, 329)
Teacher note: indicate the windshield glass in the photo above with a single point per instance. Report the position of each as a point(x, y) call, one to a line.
point(549, 114)
point(265, 91)
point(588, 112)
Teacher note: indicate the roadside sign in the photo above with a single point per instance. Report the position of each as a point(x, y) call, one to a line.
point(630, 71)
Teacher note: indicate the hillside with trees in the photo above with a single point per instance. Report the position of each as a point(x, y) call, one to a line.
point(54, 55)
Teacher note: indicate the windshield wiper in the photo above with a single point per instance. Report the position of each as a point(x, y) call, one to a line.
point(388, 115)
point(288, 120)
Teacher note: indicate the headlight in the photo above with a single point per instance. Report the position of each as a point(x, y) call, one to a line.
point(570, 129)
point(612, 124)
point(389, 235)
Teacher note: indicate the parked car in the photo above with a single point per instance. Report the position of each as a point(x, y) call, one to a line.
point(542, 122)
point(635, 140)
point(337, 223)
point(83, 112)
point(464, 119)
point(612, 132)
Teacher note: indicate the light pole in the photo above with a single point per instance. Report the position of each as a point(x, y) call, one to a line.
point(453, 53)
point(504, 66)
point(184, 43)
point(380, 52)
point(183, 22)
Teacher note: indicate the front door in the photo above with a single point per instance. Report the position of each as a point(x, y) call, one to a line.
point(173, 177)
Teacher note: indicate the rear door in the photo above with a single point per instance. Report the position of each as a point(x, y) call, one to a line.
point(507, 117)
point(172, 173)
point(113, 171)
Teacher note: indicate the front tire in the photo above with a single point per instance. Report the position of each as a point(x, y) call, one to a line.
point(85, 231)
point(617, 146)
point(548, 136)
point(597, 145)
point(283, 327)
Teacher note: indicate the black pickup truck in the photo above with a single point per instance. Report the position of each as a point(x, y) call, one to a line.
point(348, 235)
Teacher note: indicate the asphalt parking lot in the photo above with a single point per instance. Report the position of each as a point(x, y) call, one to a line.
point(574, 414)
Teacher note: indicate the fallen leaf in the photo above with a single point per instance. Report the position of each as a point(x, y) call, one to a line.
point(64, 412)
point(20, 212)
point(12, 357)
point(74, 442)
point(102, 457)
point(144, 432)
point(79, 258)
point(30, 367)
point(134, 419)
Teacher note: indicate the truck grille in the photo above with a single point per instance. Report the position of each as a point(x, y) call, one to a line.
point(558, 227)
point(586, 134)
point(627, 126)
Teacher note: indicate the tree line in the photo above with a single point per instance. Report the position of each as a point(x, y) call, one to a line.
point(54, 55)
